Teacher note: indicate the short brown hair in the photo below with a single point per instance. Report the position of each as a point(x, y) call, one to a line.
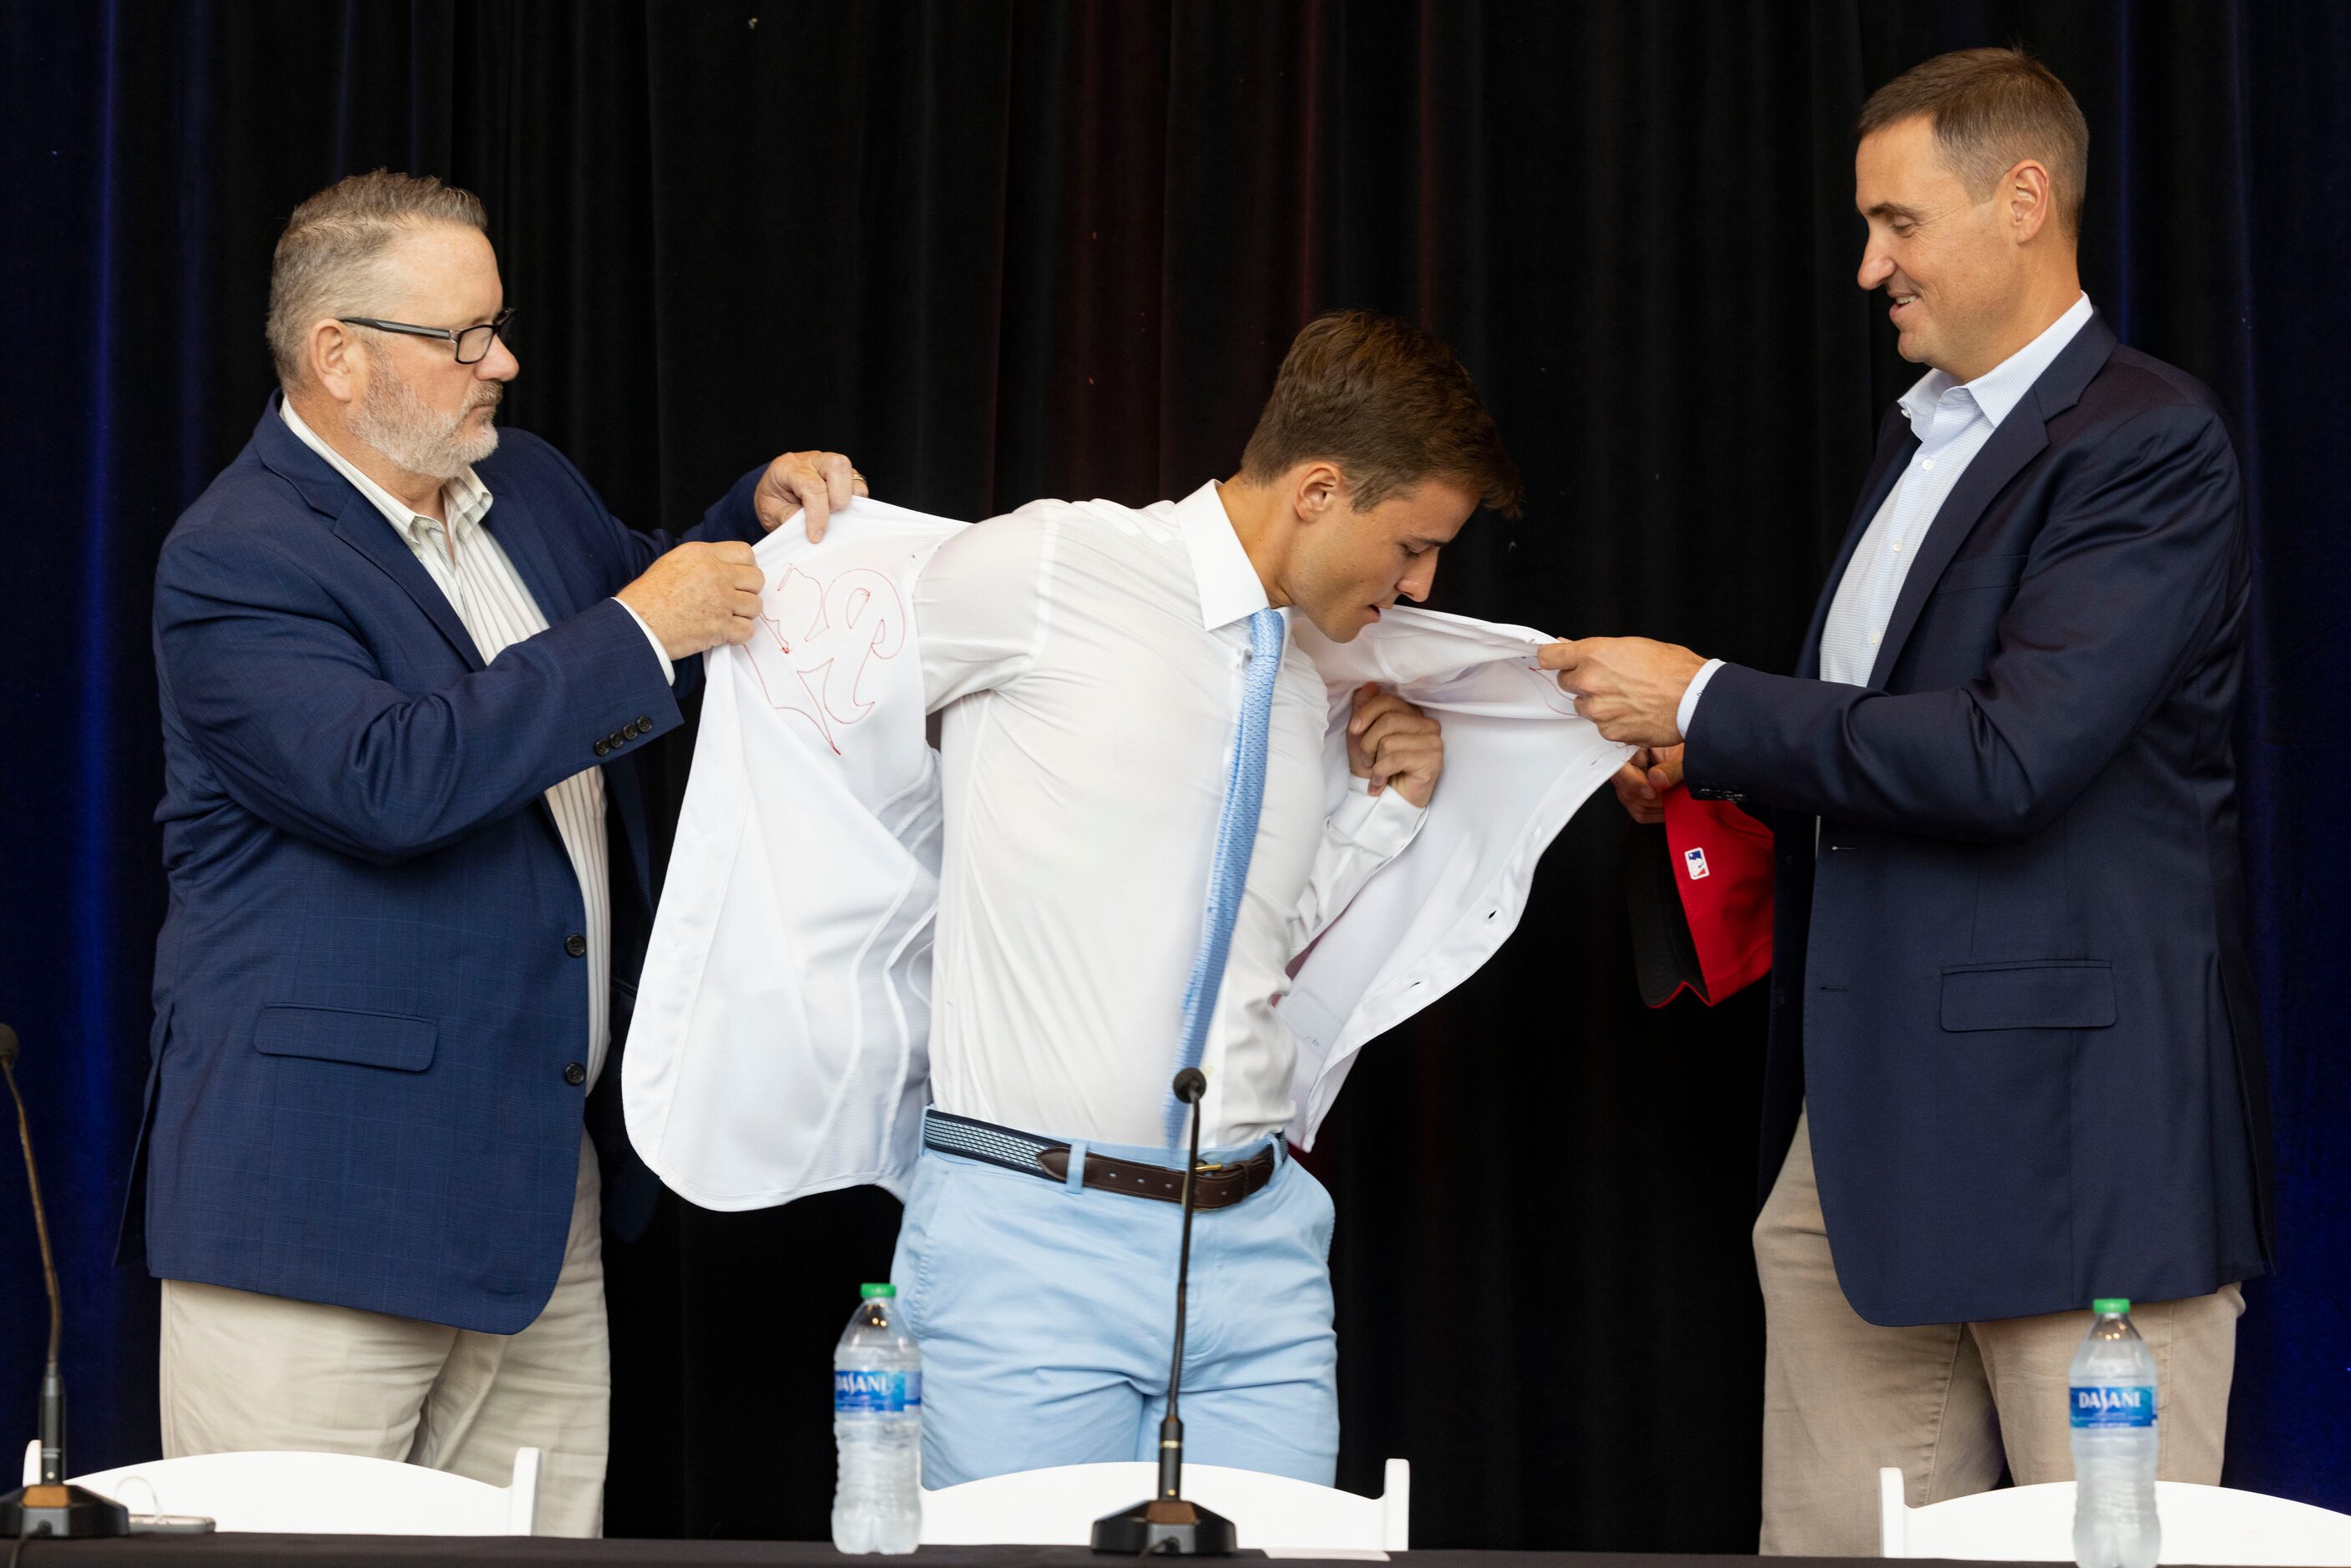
point(1387, 402)
point(326, 259)
point(1992, 108)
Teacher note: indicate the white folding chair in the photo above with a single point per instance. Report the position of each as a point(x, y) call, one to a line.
point(1058, 1507)
point(2214, 1525)
point(319, 1494)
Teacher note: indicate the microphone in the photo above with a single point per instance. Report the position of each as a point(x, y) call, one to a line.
point(50, 1507)
point(1168, 1524)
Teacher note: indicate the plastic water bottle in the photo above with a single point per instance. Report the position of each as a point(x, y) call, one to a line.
point(2112, 1394)
point(877, 1428)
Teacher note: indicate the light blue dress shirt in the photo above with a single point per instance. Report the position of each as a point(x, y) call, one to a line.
point(1952, 420)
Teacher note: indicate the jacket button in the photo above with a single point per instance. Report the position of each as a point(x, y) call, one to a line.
point(576, 945)
point(603, 749)
point(644, 725)
point(618, 739)
point(574, 1074)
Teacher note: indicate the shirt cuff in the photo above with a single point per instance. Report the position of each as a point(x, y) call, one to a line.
point(1382, 823)
point(1697, 688)
point(669, 671)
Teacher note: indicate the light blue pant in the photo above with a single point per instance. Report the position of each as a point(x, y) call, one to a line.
point(1046, 1313)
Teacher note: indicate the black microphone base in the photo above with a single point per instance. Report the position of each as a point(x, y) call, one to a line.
point(66, 1512)
point(1168, 1526)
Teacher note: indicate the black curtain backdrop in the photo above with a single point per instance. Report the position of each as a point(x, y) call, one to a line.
point(1004, 250)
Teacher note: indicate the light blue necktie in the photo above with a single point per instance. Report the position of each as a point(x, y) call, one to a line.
point(1236, 837)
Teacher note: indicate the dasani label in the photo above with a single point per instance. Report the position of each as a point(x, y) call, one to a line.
point(2113, 1406)
point(877, 1393)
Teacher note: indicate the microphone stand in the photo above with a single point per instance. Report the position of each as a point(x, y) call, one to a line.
point(50, 1507)
point(1168, 1524)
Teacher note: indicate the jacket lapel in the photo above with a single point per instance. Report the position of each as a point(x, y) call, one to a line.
point(518, 534)
point(1895, 444)
point(367, 531)
point(516, 529)
point(358, 524)
point(2022, 437)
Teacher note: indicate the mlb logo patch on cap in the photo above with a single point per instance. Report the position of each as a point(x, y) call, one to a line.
point(1695, 860)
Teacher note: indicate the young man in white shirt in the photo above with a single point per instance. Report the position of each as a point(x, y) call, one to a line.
point(1118, 900)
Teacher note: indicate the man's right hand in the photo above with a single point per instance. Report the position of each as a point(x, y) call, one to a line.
point(699, 596)
point(1642, 783)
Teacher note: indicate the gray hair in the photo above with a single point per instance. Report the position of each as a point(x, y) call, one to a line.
point(328, 259)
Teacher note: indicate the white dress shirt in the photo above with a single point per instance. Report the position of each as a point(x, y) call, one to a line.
point(782, 1038)
point(1087, 661)
point(470, 568)
point(1952, 420)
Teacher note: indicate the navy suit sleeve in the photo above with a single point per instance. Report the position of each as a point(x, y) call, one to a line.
point(2127, 581)
point(732, 515)
point(635, 549)
point(284, 699)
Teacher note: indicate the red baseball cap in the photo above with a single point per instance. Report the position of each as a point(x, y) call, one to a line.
point(1699, 892)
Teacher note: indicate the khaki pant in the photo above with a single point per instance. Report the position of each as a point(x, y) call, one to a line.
point(241, 1371)
point(1945, 1403)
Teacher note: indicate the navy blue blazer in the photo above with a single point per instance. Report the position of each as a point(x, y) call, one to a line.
point(370, 1004)
point(2011, 983)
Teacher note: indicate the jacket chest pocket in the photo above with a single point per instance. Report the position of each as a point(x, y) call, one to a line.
point(394, 1041)
point(1981, 571)
point(2049, 994)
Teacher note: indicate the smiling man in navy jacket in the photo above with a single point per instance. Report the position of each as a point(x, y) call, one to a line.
point(2013, 1061)
point(406, 670)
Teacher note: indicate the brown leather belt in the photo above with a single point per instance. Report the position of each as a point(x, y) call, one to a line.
point(1213, 1186)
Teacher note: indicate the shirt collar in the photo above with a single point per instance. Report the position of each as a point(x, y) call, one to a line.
point(1228, 582)
point(1998, 391)
point(466, 498)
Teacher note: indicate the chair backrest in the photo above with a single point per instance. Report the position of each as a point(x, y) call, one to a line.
point(1058, 1507)
point(320, 1494)
point(2201, 1524)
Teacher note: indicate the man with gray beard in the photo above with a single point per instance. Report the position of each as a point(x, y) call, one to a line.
point(406, 671)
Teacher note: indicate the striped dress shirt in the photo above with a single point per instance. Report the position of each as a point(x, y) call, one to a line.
point(490, 598)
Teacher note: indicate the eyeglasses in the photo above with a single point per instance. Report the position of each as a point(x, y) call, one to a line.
point(473, 343)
